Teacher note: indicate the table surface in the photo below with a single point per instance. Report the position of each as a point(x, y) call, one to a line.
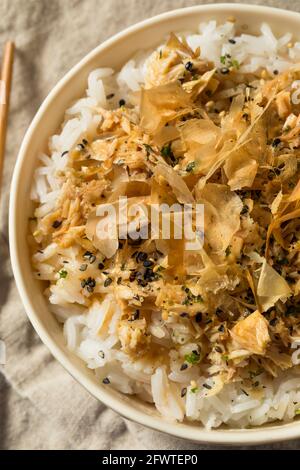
point(41, 406)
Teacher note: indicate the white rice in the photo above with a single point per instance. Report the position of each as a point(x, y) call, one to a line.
point(101, 352)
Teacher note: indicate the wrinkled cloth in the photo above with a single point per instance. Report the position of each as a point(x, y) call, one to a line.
point(41, 405)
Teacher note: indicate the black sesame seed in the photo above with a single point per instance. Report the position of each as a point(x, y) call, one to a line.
point(189, 66)
point(101, 354)
point(183, 366)
point(84, 141)
point(107, 282)
point(119, 280)
point(106, 381)
point(110, 96)
point(148, 263)
point(224, 70)
point(277, 171)
point(91, 282)
point(232, 41)
point(218, 349)
point(245, 209)
point(132, 276)
point(141, 257)
point(207, 386)
point(198, 317)
point(142, 283)
point(149, 275)
point(87, 255)
point(275, 72)
point(276, 142)
point(122, 103)
point(273, 321)
point(92, 259)
point(57, 223)
point(83, 283)
point(221, 328)
point(100, 266)
point(83, 267)
point(64, 153)
point(183, 392)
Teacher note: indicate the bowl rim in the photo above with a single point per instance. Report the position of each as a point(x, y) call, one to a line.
point(252, 436)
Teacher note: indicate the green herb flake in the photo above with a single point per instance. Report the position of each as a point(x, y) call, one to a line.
point(191, 299)
point(235, 63)
point(194, 390)
point(166, 150)
point(229, 62)
point(297, 412)
point(62, 274)
point(192, 358)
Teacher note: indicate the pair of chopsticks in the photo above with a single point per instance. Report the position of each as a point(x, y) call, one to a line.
point(5, 87)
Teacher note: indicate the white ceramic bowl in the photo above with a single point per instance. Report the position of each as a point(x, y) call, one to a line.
point(113, 53)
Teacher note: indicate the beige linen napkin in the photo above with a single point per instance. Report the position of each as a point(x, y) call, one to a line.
point(41, 406)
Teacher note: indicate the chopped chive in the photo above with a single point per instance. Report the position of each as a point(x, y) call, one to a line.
point(57, 223)
point(192, 358)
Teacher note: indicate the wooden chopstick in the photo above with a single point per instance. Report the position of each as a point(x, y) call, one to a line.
point(6, 77)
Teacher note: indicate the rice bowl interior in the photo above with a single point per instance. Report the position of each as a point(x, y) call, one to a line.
point(188, 350)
